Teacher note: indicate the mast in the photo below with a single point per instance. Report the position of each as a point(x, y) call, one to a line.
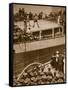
point(25, 29)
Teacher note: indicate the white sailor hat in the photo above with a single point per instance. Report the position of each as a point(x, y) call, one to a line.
point(57, 52)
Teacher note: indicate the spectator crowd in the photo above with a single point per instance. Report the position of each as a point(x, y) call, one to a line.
point(22, 15)
point(47, 73)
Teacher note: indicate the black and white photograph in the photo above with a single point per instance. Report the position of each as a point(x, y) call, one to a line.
point(38, 44)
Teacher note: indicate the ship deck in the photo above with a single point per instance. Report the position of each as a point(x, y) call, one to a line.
point(43, 25)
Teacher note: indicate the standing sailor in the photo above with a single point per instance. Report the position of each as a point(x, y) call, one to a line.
point(36, 20)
